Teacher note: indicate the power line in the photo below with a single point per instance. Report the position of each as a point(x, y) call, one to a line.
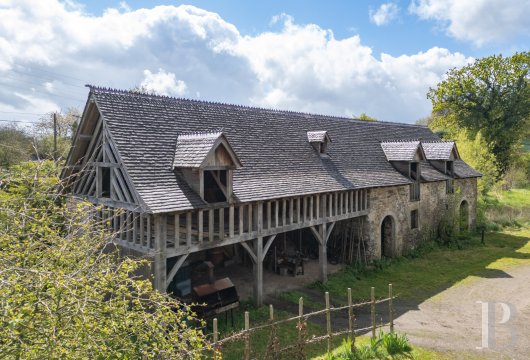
point(21, 113)
point(48, 78)
point(52, 95)
point(59, 74)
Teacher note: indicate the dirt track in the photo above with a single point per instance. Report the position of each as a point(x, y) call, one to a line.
point(452, 320)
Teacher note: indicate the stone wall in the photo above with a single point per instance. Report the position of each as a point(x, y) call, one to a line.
point(434, 203)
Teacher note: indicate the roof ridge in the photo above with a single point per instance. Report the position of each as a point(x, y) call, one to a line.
point(94, 88)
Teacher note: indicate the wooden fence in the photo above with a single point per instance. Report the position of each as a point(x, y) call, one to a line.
point(274, 349)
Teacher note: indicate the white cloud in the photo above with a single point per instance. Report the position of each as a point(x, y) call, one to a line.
point(163, 83)
point(478, 21)
point(297, 67)
point(384, 14)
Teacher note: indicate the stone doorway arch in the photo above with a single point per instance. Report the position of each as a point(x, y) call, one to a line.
point(388, 236)
point(464, 216)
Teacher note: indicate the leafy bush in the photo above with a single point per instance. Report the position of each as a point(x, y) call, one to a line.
point(66, 292)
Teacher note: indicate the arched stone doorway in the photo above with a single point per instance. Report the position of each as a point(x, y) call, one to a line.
point(464, 216)
point(388, 233)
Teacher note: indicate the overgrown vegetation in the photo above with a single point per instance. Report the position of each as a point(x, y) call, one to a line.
point(64, 291)
point(384, 346)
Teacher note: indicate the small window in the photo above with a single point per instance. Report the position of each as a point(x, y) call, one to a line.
point(105, 182)
point(414, 171)
point(414, 219)
point(449, 186)
point(449, 168)
point(215, 186)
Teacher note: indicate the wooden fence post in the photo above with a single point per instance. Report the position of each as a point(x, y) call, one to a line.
point(301, 330)
point(350, 319)
point(215, 339)
point(372, 306)
point(390, 309)
point(246, 355)
point(271, 313)
point(328, 321)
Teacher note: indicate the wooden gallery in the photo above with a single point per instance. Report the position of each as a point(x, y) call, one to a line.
point(205, 188)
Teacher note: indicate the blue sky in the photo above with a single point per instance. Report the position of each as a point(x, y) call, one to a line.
point(334, 57)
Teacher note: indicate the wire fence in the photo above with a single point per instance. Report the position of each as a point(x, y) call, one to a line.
point(294, 337)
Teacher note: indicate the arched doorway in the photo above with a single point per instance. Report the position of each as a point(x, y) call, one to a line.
point(464, 216)
point(387, 236)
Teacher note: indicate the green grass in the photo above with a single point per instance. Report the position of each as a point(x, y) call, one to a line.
point(507, 208)
point(417, 278)
point(294, 297)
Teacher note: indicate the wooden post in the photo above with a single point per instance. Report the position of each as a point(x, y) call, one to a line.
point(215, 338)
point(350, 318)
point(221, 224)
point(210, 225)
point(390, 308)
point(258, 271)
point(188, 228)
point(328, 321)
point(231, 221)
point(200, 224)
point(159, 268)
point(372, 310)
point(323, 253)
point(241, 212)
point(177, 229)
point(271, 313)
point(300, 326)
point(291, 209)
point(246, 354)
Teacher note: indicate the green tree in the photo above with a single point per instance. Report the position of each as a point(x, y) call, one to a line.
point(44, 134)
point(65, 293)
point(491, 95)
point(365, 117)
point(15, 146)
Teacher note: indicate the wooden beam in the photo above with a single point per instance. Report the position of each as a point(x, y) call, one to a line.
point(175, 269)
point(221, 224)
point(210, 225)
point(188, 228)
point(231, 221)
point(267, 246)
point(177, 229)
point(269, 214)
point(159, 268)
point(200, 225)
point(250, 251)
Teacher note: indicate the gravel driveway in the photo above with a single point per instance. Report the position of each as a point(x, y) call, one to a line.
point(452, 320)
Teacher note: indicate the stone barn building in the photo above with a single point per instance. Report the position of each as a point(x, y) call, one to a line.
point(183, 181)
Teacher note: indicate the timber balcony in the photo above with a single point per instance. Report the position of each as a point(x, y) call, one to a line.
point(216, 226)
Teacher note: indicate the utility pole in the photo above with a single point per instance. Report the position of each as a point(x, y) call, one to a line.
point(55, 136)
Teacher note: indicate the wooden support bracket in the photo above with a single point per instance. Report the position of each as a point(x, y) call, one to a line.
point(175, 269)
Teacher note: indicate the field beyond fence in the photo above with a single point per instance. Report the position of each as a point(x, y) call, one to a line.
point(294, 336)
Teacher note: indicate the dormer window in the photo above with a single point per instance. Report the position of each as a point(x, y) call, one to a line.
point(206, 161)
point(405, 157)
point(319, 141)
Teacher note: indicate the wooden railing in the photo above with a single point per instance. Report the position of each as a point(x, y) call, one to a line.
point(201, 229)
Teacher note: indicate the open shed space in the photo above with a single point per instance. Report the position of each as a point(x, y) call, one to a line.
point(273, 283)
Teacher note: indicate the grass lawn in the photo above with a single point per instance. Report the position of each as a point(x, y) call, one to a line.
point(417, 278)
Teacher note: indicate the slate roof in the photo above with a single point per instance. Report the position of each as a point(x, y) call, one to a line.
point(428, 173)
point(192, 149)
point(278, 161)
point(318, 136)
point(400, 150)
point(463, 170)
point(440, 150)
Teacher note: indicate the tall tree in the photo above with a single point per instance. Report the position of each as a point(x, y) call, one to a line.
point(15, 145)
point(491, 95)
point(44, 133)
